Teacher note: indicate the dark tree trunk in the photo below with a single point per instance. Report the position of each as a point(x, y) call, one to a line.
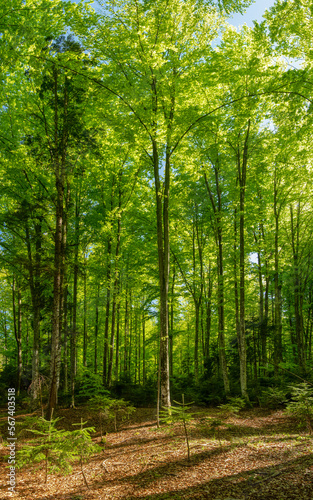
point(85, 340)
point(242, 171)
point(299, 328)
point(220, 274)
point(115, 290)
point(162, 206)
point(277, 285)
point(34, 283)
point(75, 291)
point(96, 329)
point(17, 318)
point(107, 315)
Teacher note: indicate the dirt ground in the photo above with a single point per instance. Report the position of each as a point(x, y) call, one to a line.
point(258, 454)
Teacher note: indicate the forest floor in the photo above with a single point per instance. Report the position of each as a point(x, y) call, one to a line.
point(258, 455)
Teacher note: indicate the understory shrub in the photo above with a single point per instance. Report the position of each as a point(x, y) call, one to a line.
point(301, 404)
point(57, 448)
point(234, 405)
point(109, 408)
point(273, 397)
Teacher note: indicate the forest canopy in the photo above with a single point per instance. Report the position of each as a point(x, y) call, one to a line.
point(156, 202)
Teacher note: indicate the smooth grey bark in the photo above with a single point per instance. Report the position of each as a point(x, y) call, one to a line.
point(218, 232)
point(96, 329)
point(277, 284)
point(34, 265)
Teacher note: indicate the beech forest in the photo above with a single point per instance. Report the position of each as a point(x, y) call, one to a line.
point(156, 198)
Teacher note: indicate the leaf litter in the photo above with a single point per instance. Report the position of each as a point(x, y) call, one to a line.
point(259, 455)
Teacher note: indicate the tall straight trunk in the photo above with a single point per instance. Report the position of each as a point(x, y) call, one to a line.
point(299, 328)
point(242, 171)
point(266, 313)
point(263, 310)
point(58, 161)
point(220, 274)
point(65, 339)
point(117, 349)
point(75, 290)
point(242, 161)
point(143, 348)
point(17, 319)
point(137, 348)
point(85, 316)
point(208, 316)
point(96, 329)
point(130, 336)
point(126, 333)
point(162, 216)
point(236, 294)
point(34, 283)
point(277, 285)
point(107, 314)
point(115, 292)
point(5, 331)
point(172, 322)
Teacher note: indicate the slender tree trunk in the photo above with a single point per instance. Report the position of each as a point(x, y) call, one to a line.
point(240, 297)
point(162, 199)
point(107, 314)
point(96, 329)
point(143, 348)
point(18, 332)
point(60, 175)
point(208, 316)
point(34, 283)
point(75, 291)
point(85, 316)
point(299, 329)
point(172, 322)
point(220, 275)
point(126, 333)
point(115, 292)
point(65, 339)
point(117, 350)
point(242, 170)
point(277, 292)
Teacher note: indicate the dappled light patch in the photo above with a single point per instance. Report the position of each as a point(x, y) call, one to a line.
point(141, 461)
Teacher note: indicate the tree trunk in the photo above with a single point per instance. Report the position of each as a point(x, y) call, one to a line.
point(34, 283)
point(59, 250)
point(96, 329)
point(297, 289)
point(115, 291)
point(107, 315)
point(172, 323)
point(85, 316)
point(162, 198)
point(220, 275)
point(75, 290)
point(18, 331)
point(242, 169)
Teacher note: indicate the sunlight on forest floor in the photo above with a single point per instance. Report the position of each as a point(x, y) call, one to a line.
point(256, 455)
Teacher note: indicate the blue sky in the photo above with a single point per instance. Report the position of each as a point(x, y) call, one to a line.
point(254, 12)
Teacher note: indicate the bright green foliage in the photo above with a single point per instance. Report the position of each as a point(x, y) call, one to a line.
point(233, 406)
point(301, 404)
point(82, 444)
point(51, 446)
point(91, 386)
point(273, 397)
point(111, 409)
point(142, 86)
point(56, 447)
